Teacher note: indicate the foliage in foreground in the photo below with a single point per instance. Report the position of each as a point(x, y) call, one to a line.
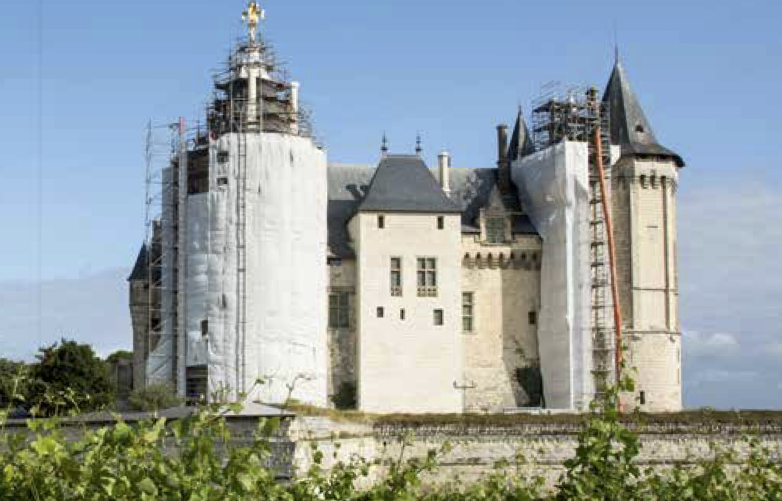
point(195, 459)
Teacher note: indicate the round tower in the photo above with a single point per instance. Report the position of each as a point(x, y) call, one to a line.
point(644, 183)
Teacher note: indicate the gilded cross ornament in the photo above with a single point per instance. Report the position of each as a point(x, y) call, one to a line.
point(252, 16)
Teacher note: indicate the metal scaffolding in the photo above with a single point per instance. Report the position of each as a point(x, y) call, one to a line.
point(576, 114)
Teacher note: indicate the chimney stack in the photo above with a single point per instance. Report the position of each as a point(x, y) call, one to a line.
point(503, 165)
point(445, 164)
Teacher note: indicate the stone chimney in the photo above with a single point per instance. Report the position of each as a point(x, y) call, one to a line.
point(445, 165)
point(503, 166)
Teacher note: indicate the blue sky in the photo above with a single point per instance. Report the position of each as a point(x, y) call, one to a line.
point(708, 75)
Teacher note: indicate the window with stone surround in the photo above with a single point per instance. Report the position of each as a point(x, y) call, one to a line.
point(427, 277)
point(468, 312)
point(339, 310)
point(495, 230)
point(396, 276)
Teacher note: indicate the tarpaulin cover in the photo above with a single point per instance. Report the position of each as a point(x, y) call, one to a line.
point(554, 191)
point(282, 337)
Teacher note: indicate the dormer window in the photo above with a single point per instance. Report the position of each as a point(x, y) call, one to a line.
point(495, 230)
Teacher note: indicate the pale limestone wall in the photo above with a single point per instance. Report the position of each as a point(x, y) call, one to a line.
point(342, 346)
point(644, 211)
point(476, 449)
point(505, 281)
point(408, 365)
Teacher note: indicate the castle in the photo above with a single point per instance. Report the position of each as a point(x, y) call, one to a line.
point(396, 287)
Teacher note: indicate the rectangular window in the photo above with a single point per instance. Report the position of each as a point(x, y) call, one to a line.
point(334, 261)
point(533, 318)
point(468, 320)
point(642, 397)
point(339, 310)
point(438, 317)
point(402, 314)
point(427, 277)
point(380, 312)
point(440, 223)
point(381, 222)
point(396, 276)
point(204, 328)
point(495, 230)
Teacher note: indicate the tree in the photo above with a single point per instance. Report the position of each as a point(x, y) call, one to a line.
point(117, 356)
point(69, 377)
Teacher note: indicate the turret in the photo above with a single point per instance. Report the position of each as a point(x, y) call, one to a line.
point(644, 182)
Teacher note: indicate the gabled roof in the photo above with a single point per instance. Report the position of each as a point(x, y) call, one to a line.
point(403, 183)
point(520, 142)
point(471, 190)
point(140, 268)
point(629, 127)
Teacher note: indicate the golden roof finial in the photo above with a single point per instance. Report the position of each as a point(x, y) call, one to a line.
point(252, 16)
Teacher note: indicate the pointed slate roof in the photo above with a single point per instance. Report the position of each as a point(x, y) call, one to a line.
point(140, 268)
point(629, 127)
point(520, 142)
point(403, 183)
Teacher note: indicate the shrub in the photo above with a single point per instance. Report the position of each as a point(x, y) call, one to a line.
point(345, 398)
point(154, 397)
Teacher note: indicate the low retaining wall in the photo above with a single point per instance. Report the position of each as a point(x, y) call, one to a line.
point(476, 444)
point(474, 450)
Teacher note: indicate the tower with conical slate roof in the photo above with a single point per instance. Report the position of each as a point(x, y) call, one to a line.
point(644, 183)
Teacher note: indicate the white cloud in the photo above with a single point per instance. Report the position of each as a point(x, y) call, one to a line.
point(717, 344)
point(730, 240)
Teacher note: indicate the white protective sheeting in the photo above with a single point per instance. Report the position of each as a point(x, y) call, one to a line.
point(554, 191)
point(285, 297)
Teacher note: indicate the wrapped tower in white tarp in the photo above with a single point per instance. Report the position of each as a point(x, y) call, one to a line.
point(244, 233)
point(280, 337)
point(554, 188)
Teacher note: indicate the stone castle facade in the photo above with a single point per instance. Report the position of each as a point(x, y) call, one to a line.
point(433, 277)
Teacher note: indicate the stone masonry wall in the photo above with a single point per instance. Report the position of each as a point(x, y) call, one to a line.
point(342, 346)
point(505, 282)
point(475, 450)
point(644, 211)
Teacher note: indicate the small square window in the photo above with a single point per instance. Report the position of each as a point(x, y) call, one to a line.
point(439, 317)
point(380, 312)
point(222, 181)
point(440, 223)
point(222, 156)
point(533, 318)
point(381, 222)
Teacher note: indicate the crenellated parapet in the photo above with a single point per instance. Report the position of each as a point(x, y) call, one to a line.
point(527, 260)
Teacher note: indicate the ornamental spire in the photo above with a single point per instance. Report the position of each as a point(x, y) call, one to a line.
point(252, 16)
